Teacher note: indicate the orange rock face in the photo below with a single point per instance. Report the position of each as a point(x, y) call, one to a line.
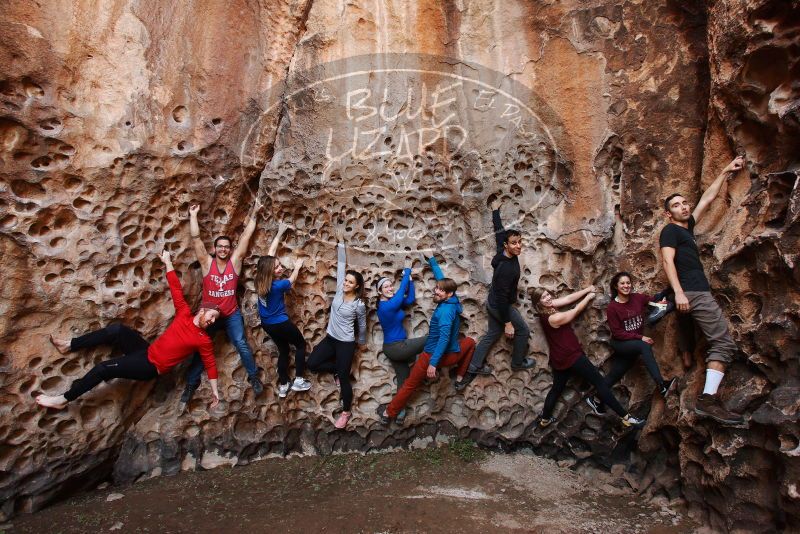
point(403, 120)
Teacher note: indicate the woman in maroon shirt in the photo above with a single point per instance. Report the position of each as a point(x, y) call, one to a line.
point(567, 357)
point(626, 316)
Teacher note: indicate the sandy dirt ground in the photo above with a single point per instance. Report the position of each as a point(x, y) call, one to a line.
point(455, 488)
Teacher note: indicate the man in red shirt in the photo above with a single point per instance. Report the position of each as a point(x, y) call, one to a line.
point(220, 278)
point(140, 360)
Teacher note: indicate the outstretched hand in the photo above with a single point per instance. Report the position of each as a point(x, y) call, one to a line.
point(165, 257)
point(194, 209)
point(282, 227)
point(736, 165)
point(339, 231)
point(298, 263)
point(495, 204)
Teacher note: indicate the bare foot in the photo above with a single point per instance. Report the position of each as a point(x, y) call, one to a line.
point(61, 346)
point(48, 401)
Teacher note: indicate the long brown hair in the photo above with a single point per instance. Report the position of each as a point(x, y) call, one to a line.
point(265, 271)
point(536, 297)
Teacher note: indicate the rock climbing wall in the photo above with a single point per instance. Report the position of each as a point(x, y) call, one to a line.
point(402, 121)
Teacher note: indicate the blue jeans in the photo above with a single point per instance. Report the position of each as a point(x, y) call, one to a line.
point(234, 327)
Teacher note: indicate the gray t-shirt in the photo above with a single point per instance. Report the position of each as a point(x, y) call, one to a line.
point(342, 322)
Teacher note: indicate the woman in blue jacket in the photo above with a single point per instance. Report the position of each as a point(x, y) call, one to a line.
point(398, 348)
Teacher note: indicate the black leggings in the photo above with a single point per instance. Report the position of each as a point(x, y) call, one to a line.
point(133, 364)
point(626, 354)
point(285, 334)
point(334, 356)
point(584, 369)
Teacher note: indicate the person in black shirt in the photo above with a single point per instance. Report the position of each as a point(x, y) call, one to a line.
point(503, 318)
point(693, 292)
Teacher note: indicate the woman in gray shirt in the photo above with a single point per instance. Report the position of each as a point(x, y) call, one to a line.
point(334, 354)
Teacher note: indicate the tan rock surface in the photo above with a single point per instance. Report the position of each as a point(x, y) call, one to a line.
point(115, 116)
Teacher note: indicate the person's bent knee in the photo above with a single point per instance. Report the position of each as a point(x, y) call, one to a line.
point(719, 357)
point(104, 371)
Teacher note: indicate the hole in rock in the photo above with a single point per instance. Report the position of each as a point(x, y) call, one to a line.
point(53, 384)
point(180, 114)
point(41, 162)
point(31, 89)
point(81, 203)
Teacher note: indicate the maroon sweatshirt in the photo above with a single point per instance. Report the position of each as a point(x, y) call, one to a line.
point(626, 321)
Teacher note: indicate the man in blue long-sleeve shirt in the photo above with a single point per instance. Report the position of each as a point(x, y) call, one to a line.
point(443, 347)
point(501, 314)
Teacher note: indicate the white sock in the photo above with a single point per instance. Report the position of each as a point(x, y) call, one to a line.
point(713, 378)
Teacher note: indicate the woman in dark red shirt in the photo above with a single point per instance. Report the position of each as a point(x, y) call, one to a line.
point(567, 357)
point(626, 316)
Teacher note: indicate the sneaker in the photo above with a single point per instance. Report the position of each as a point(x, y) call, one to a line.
point(401, 417)
point(710, 406)
point(301, 384)
point(544, 422)
point(659, 311)
point(342, 420)
point(336, 380)
point(630, 420)
point(668, 385)
point(597, 407)
point(258, 387)
point(283, 390)
point(382, 417)
point(188, 392)
point(484, 369)
point(462, 384)
point(527, 363)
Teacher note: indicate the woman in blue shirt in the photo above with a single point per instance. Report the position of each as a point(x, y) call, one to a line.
point(271, 290)
point(398, 348)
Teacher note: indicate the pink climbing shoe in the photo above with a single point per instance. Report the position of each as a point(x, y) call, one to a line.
point(342, 420)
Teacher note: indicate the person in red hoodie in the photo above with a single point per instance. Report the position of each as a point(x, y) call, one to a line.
point(626, 316)
point(140, 360)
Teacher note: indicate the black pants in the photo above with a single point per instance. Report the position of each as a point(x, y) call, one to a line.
point(334, 356)
point(584, 369)
point(626, 354)
point(285, 334)
point(133, 364)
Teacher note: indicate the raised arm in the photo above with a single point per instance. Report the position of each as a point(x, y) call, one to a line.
point(297, 266)
point(175, 289)
point(561, 318)
point(713, 190)
point(244, 239)
point(398, 299)
point(273, 247)
point(573, 297)
point(497, 223)
point(200, 251)
point(410, 296)
point(437, 271)
point(341, 259)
